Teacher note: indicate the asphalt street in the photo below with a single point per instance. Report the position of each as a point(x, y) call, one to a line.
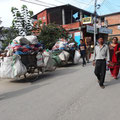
point(69, 93)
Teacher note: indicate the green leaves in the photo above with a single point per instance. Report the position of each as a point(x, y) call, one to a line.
point(8, 35)
point(31, 13)
point(50, 34)
point(22, 20)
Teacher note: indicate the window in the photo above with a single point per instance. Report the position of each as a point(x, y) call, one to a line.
point(44, 18)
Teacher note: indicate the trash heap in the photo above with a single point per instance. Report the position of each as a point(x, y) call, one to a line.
point(63, 52)
point(24, 55)
point(64, 45)
point(24, 45)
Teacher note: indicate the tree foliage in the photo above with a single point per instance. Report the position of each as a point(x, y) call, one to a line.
point(22, 20)
point(50, 34)
point(7, 35)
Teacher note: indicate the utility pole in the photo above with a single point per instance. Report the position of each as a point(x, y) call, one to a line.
point(95, 13)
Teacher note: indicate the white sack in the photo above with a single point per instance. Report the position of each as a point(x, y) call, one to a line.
point(12, 67)
point(21, 40)
point(17, 39)
point(46, 57)
point(32, 39)
point(67, 55)
point(6, 69)
point(64, 56)
point(50, 64)
point(40, 61)
point(19, 68)
point(77, 57)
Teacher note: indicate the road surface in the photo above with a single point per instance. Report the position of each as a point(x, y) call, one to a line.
point(69, 93)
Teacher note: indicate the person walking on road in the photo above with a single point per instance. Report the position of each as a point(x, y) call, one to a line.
point(114, 57)
point(88, 52)
point(82, 48)
point(101, 56)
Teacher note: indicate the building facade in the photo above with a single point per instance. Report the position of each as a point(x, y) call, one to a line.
point(78, 22)
point(112, 21)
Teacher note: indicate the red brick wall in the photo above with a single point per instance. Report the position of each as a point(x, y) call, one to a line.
point(43, 16)
point(71, 26)
point(114, 19)
point(115, 29)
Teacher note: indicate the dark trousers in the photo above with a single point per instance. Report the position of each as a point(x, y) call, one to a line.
point(100, 71)
point(83, 57)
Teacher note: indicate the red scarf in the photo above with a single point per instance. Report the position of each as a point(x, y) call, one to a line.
point(114, 57)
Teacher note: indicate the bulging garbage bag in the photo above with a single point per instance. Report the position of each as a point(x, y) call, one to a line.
point(64, 56)
point(40, 60)
point(77, 57)
point(12, 67)
point(19, 68)
point(6, 69)
point(32, 39)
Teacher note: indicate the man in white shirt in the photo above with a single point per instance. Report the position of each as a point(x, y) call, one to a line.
point(101, 56)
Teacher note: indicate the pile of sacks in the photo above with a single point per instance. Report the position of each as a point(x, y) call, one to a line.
point(24, 45)
point(66, 49)
point(45, 60)
point(12, 66)
point(64, 45)
point(60, 45)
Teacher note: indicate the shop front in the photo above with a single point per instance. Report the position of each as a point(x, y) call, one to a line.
point(88, 33)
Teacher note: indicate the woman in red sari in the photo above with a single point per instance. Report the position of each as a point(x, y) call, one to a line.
point(114, 57)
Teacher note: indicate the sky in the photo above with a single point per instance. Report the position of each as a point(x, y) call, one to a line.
point(107, 7)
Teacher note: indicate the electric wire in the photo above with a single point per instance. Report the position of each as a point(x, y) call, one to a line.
point(35, 3)
point(45, 3)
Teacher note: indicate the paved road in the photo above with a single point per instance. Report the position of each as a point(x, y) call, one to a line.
point(69, 93)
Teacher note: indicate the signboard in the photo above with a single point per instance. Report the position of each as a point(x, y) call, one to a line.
point(87, 20)
point(105, 30)
point(90, 29)
point(77, 37)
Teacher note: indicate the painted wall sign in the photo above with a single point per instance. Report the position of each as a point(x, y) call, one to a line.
point(87, 20)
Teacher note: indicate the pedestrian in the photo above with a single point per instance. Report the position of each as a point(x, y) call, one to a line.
point(82, 48)
point(114, 57)
point(88, 52)
point(101, 56)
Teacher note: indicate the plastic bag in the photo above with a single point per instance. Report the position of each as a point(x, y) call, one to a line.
point(20, 40)
point(77, 57)
point(32, 39)
point(6, 69)
point(50, 64)
point(67, 55)
point(19, 68)
point(40, 61)
point(64, 56)
point(46, 56)
point(17, 40)
point(12, 67)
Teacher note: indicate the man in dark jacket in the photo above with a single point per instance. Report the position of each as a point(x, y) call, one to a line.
point(82, 48)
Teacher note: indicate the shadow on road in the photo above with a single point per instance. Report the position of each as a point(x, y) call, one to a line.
point(113, 81)
point(20, 92)
point(46, 76)
point(42, 77)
